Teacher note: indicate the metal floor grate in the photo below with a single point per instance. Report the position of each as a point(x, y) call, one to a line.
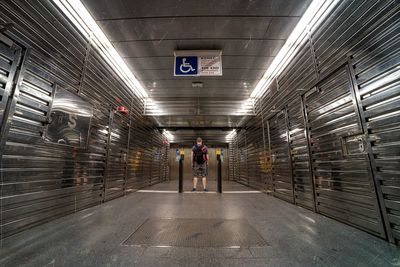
point(195, 233)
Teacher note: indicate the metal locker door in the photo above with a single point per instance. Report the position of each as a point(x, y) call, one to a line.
point(242, 156)
point(281, 166)
point(9, 60)
point(302, 178)
point(342, 177)
point(116, 156)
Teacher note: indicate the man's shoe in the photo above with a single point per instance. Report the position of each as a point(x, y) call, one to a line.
point(193, 189)
point(206, 190)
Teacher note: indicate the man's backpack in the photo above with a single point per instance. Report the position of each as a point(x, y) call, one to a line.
point(200, 154)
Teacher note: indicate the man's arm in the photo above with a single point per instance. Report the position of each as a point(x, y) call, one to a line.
point(191, 156)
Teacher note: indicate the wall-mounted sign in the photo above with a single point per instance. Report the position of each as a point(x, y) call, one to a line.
point(198, 63)
point(69, 120)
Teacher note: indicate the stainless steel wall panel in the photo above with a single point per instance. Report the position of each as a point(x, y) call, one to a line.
point(376, 74)
point(231, 173)
point(242, 157)
point(281, 166)
point(345, 29)
point(344, 185)
point(42, 181)
point(351, 116)
point(268, 159)
point(255, 156)
point(301, 169)
point(101, 83)
point(9, 60)
point(145, 160)
point(116, 156)
point(30, 32)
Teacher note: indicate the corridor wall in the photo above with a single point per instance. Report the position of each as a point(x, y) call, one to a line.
point(40, 52)
point(331, 121)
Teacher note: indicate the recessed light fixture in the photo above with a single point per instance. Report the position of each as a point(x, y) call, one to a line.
point(230, 136)
point(168, 135)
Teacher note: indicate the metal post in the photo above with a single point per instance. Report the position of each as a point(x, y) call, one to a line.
point(219, 174)
point(307, 134)
point(181, 173)
point(285, 112)
point(109, 131)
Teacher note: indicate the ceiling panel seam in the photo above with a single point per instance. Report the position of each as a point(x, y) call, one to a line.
point(195, 16)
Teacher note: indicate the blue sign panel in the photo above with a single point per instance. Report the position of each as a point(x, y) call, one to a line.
point(186, 66)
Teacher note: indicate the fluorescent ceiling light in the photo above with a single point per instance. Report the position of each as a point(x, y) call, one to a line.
point(314, 15)
point(168, 135)
point(81, 18)
point(229, 137)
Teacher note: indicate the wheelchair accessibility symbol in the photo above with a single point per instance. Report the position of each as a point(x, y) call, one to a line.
point(186, 66)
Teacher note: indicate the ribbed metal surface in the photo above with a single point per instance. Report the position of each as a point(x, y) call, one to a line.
point(344, 80)
point(231, 165)
point(242, 162)
point(250, 33)
point(343, 183)
point(9, 60)
point(378, 86)
point(195, 233)
point(116, 156)
point(40, 180)
point(281, 169)
point(298, 141)
point(256, 156)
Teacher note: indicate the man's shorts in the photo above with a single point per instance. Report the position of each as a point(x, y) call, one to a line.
point(200, 170)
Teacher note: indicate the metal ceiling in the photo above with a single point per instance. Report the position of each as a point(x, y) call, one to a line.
point(249, 33)
point(187, 137)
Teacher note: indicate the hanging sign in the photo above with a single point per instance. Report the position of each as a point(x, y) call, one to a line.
point(198, 63)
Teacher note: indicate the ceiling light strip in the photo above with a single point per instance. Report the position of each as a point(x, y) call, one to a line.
point(77, 13)
point(311, 19)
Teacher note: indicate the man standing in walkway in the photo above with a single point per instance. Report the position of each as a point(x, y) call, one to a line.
point(199, 156)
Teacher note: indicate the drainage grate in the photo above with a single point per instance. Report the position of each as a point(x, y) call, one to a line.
point(195, 233)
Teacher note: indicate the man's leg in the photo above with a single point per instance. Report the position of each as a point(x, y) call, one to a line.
point(204, 175)
point(194, 182)
point(204, 182)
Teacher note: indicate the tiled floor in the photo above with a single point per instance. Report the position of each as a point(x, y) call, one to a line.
point(295, 236)
point(173, 185)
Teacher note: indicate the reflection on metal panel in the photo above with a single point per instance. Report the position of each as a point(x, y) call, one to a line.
point(344, 187)
point(231, 166)
point(42, 181)
point(353, 120)
point(268, 159)
point(9, 59)
point(69, 119)
point(377, 72)
point(116, 156)
point(255, 157)
point(281, 174)
point(302, 178)
point(242, 158)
